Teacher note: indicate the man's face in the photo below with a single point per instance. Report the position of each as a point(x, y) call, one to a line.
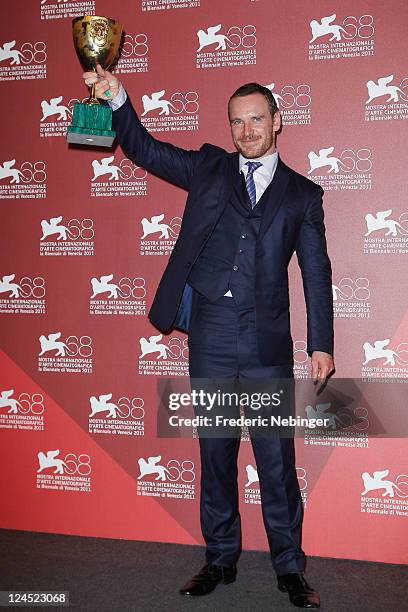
point(253, 129)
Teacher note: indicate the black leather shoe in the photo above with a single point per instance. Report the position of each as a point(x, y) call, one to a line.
point(300, 592)
point(208, 578)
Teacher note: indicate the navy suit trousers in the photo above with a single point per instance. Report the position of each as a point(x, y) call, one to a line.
point(223, 347)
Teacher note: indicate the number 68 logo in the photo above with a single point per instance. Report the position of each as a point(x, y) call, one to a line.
point(79, 465)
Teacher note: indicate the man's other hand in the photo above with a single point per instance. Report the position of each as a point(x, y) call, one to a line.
point(322, 366)
point(107, 85)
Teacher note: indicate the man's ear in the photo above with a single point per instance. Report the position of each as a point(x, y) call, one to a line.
point(277, 121)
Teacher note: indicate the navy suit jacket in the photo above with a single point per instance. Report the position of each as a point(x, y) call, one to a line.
point(292, 222)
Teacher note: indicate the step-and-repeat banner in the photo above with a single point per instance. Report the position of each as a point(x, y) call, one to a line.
point(86, 234)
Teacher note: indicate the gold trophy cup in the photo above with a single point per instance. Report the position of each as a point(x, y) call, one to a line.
point(96, 41)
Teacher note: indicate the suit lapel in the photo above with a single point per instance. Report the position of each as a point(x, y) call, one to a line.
point(275, 197)
point(230, 177)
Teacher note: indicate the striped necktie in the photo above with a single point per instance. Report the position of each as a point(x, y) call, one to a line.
point(249, 181)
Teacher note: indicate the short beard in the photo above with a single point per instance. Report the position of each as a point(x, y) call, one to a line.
point(254, 153)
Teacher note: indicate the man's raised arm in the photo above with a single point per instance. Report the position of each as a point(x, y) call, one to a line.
point(164, 159)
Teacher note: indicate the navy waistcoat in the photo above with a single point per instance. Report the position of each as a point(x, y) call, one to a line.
point(228, 259)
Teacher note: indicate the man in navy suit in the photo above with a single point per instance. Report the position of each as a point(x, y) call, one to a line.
point(245, 216)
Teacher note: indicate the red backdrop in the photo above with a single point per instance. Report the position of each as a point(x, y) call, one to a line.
point(77, 401)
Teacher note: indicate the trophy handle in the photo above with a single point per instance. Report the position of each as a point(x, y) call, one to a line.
point(92, 100)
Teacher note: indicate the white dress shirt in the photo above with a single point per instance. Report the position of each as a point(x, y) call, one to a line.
point(262, 175)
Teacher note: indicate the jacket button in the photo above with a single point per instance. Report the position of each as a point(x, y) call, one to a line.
point(188, 264)
point(235, 268)
point(243, 236)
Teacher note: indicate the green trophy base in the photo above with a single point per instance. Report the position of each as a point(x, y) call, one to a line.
point(91, 125)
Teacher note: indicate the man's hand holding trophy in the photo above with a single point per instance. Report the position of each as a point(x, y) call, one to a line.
point(106, 84)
